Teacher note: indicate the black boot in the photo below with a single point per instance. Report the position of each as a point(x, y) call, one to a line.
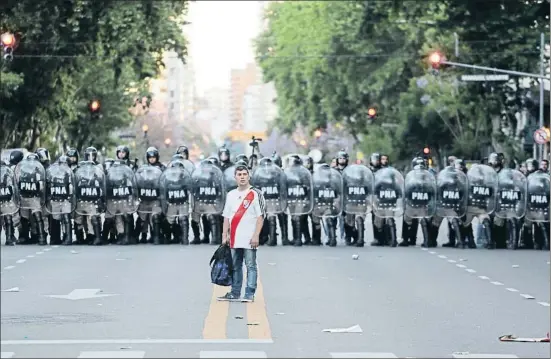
point(527, 237)
point(129, 228)
point(264, 236)
point(40, 232)
point(206, 230)
point(184, 230)
point(378, 234)
point(331, 224)
point(360, 231)
point(156, 229)
point(272, 230)
point(24, 232)
point(67, 229)
point(196, 232)
point(216, 230)
point(55, 231)
point(406, 234)
point(348, 234)
point(98, 235)
point(108, 226)
point(297, 234)
point(284, 225)
point(316, 234)
point(305, 230)
point(452, 241)
point(79, 234)
point(10, 236)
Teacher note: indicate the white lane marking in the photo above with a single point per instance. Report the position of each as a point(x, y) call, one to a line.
point(442, 256)
point(426, 249)
point(112, 354)
point(39, 253)
point(511, 289)
point(21, 261)
point(7, 354)
point(488, 356)
point(47, 249)
point(232, 354)
point(527, 296)
point(461, 266)
point(432, 252)
point(135, 341)
point(362, 355)
point(545, 304)
point(470, 270)
point(483, 277)
point(496, 283)
point(56, 246)
point(452, 261)
point(9, 267)
point(30, 256)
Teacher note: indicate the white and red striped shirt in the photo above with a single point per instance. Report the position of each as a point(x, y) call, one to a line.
point(242, 209)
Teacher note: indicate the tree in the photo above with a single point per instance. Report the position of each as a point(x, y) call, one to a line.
point(72, 51)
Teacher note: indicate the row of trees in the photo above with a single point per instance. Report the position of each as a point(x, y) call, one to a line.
point(333, 60)
point(72, 51)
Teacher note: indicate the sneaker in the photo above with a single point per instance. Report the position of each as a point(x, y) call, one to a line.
point(229, 297)
point(248, 298)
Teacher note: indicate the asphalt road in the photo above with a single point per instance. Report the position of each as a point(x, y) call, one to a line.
point(408, 302)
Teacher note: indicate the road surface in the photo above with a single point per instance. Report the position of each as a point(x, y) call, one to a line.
point(157, 301)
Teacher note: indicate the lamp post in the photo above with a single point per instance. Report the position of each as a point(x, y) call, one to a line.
point(145, 128)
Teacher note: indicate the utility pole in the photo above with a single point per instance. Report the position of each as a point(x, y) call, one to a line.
point(542, 91)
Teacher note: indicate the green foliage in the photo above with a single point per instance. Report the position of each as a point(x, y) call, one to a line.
point(72, 51)
point(332, 60)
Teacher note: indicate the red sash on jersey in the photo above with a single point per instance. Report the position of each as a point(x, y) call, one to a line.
point(236, 219)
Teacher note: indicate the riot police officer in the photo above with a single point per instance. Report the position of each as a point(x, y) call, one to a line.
point(60, 200)
point(184, 151)
point(8, 203)
point(498, 230)
point(22, 224)
point(224, 158)
point(300, 199)
point(72, 158)
point(282, 217)
point(123, 153)
point(350, 233)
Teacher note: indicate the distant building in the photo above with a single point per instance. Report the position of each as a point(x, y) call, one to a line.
point(240, 80)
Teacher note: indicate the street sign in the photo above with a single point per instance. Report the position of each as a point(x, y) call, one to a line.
point(484, 77)
point(540, 136)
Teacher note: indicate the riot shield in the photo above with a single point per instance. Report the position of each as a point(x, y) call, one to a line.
point(537, 204)
point(482, 181)
point(388, 188)
point(60, 189)
point(229, 178)
point(420, 194)
point(358, 189)
point(30, 177)
point(300, 198)
point(175, 184)
point(208, 189)
point(511, 194)
point(149, 192)
point(121, 190)
point(270, 179)
point(90, 189)
point(452, 188)
point(8, 202)
point(328, 192)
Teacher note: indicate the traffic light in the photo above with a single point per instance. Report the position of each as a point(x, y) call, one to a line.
point(426, 151)
point(94, 106)
point(371, 113)
point(8, 43)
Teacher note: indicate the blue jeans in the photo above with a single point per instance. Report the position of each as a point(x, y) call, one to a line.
point(249, 255)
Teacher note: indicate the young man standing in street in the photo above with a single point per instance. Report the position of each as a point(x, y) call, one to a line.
point(244, 214)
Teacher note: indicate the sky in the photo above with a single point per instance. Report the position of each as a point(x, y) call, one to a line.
point(220, 38)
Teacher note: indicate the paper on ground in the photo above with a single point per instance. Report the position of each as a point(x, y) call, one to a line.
point(14, 289)
point(353, 329)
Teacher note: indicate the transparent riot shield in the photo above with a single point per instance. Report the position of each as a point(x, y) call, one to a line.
point(229, 178)
point(482, 181)
point(121, 189)
point(328, 192)
point(270, 179)
point(300, 198)
point(60, 189)
point(175, 184)
point(388, 193)
point(358, 189)
point(511, 194)
point(208, 189)
point(149, 191)
point(537, 203)
point(90, 189)
point(30, 177)
point(452, 188)
point(420, 194)
point(8, 202)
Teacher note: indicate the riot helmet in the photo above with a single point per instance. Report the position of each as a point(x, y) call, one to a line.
point(265, 161)
point(460, 165)
point(91, 154)
point(16, 156)
point(152, 153)
point(214, 160)
point(418, 163)
point(241, 157)
point(531, 166)
point(177, 163)
point(122, 153)
point(495, 160)
point(184, 151)
point(241, 163)
point(108, 163)
point(375, 160)
point(342, 158)
point(32, 157)
point(224, 154)
point(450, 160)
point(277, 159)
point(296, 160)
point(309, 164)
point(72, 155)
point(63, 159)
point(43, 156)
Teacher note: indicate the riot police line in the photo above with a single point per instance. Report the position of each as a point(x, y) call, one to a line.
point(57, 199)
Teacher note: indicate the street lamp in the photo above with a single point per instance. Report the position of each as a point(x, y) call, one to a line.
point(94, 107)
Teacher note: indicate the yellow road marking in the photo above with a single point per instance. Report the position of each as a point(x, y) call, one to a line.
point(216, 320)
point(257, 313)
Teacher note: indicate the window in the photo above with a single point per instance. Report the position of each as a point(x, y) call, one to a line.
point(171, 93)
point(172, 105)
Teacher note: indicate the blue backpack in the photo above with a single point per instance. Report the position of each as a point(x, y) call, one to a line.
point(221, 263)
